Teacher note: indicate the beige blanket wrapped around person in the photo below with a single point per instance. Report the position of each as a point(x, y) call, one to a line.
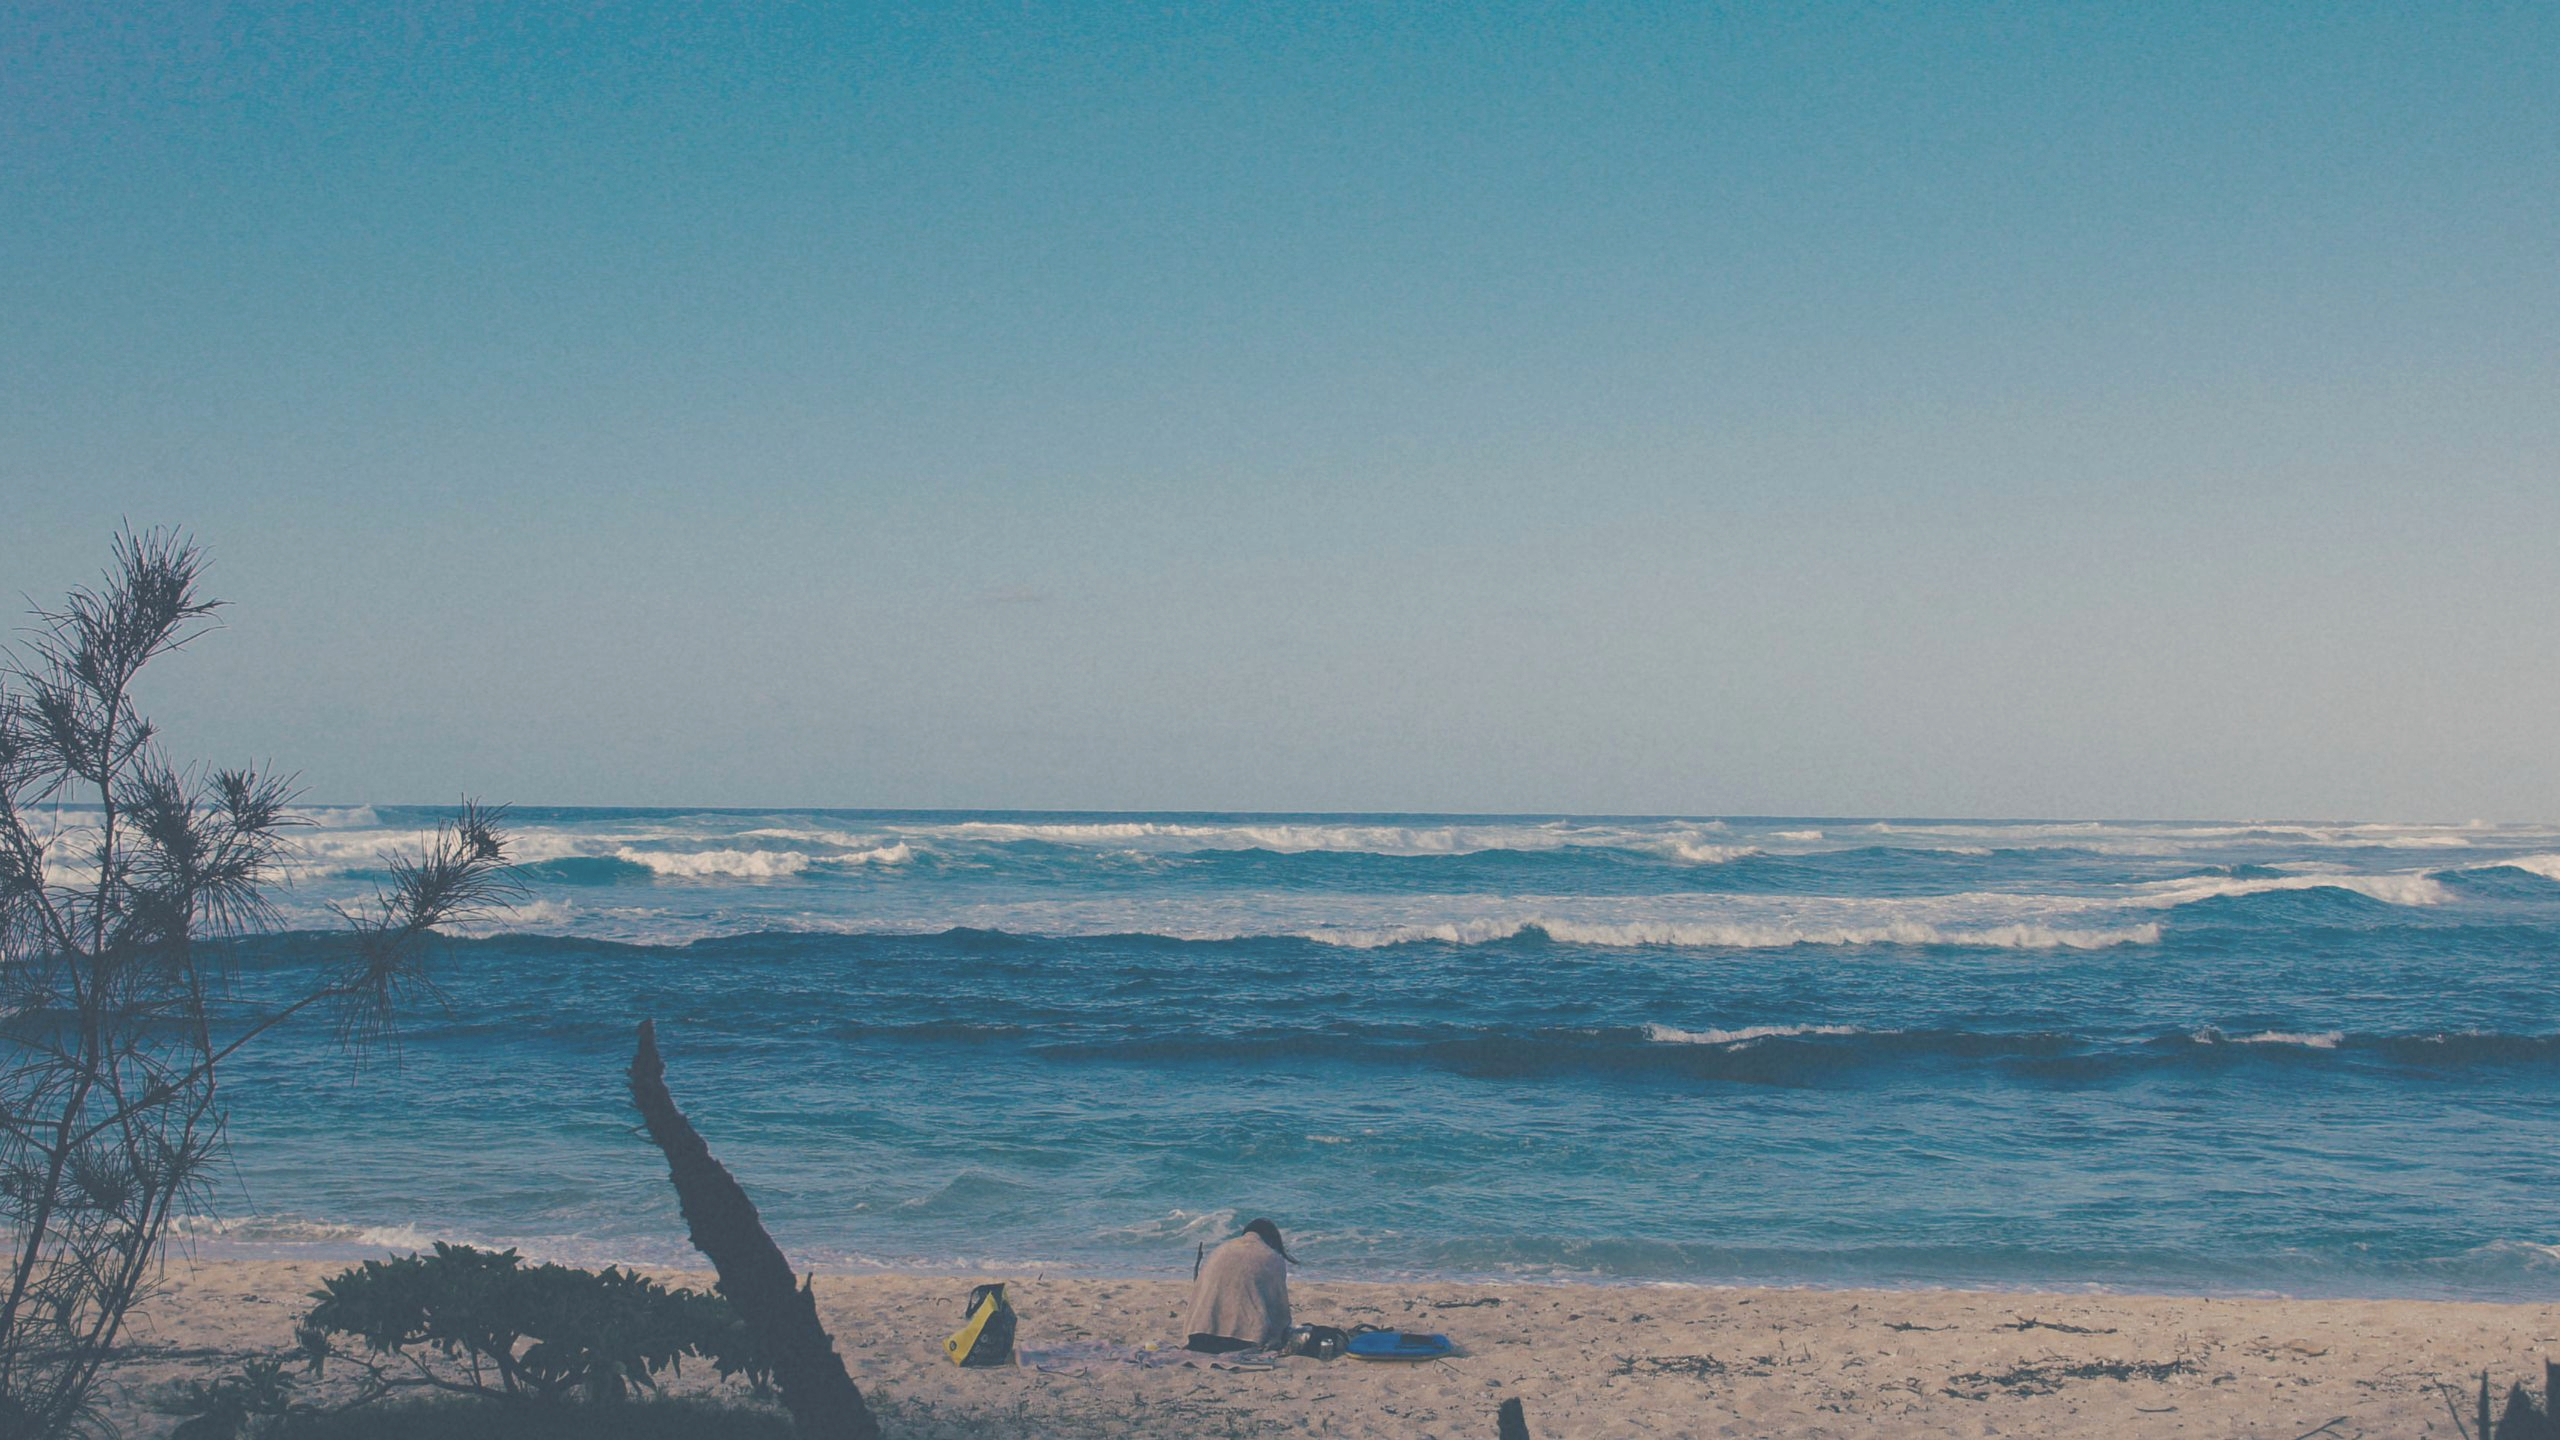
point(1243, 1294)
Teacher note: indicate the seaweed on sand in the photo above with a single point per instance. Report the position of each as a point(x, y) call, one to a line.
point(2044, 1378)
point(1696, 1367)
point(2029, 1322)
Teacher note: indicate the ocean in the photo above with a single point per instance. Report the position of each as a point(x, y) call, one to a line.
point(2224, 1058)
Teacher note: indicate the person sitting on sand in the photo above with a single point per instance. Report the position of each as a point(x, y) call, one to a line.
point(1241, 1299)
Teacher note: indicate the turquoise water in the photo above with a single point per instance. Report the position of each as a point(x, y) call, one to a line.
point(2298, 1058)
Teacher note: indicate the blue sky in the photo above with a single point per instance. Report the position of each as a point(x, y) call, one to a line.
point(2022, 410)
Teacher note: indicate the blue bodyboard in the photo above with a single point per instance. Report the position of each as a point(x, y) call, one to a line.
point(1399, 1345)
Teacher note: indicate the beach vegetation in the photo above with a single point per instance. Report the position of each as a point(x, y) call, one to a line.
point(489, 1336)
point(127, 885)
point(260, 1396)
point(482, 1322)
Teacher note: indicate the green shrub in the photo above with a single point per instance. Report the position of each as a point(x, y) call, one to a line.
point(500, 1327)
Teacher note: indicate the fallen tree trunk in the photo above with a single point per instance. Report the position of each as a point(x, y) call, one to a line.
point(779, 1310)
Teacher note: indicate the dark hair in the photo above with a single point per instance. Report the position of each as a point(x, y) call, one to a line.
point(1269, 1235)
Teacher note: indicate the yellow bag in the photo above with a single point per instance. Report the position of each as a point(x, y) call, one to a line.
point(987, 1338)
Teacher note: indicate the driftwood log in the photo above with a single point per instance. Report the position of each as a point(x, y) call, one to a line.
point(777, 1308)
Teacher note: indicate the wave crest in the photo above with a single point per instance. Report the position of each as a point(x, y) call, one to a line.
point(2546, 866)
point(1698, 852)
point(696, 864)
point(753, 864)
point(2309, 1040)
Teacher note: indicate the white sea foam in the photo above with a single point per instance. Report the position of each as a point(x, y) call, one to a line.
point(1670, 1035)
point(2529, 1255)
point(1287, 839)
point(2314, 1040)
point(2152, 838)
point(849, 841)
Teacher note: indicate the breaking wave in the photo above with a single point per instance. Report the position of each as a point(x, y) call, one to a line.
point(2311, 1040)
point(1715, 935)
point(2398, 889)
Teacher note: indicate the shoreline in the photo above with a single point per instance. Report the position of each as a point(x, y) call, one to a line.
point(1585, 1359)
point(337, 1256)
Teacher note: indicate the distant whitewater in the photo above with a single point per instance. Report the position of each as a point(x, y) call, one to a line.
point(2300, 1057)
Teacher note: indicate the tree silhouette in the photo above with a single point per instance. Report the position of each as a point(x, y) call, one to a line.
point(125, 885)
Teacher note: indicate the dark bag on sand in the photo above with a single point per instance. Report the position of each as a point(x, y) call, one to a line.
point(987, 1337)
point(1324, 1342)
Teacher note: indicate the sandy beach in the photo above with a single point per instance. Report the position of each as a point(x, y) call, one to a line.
point(1586, 1361)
